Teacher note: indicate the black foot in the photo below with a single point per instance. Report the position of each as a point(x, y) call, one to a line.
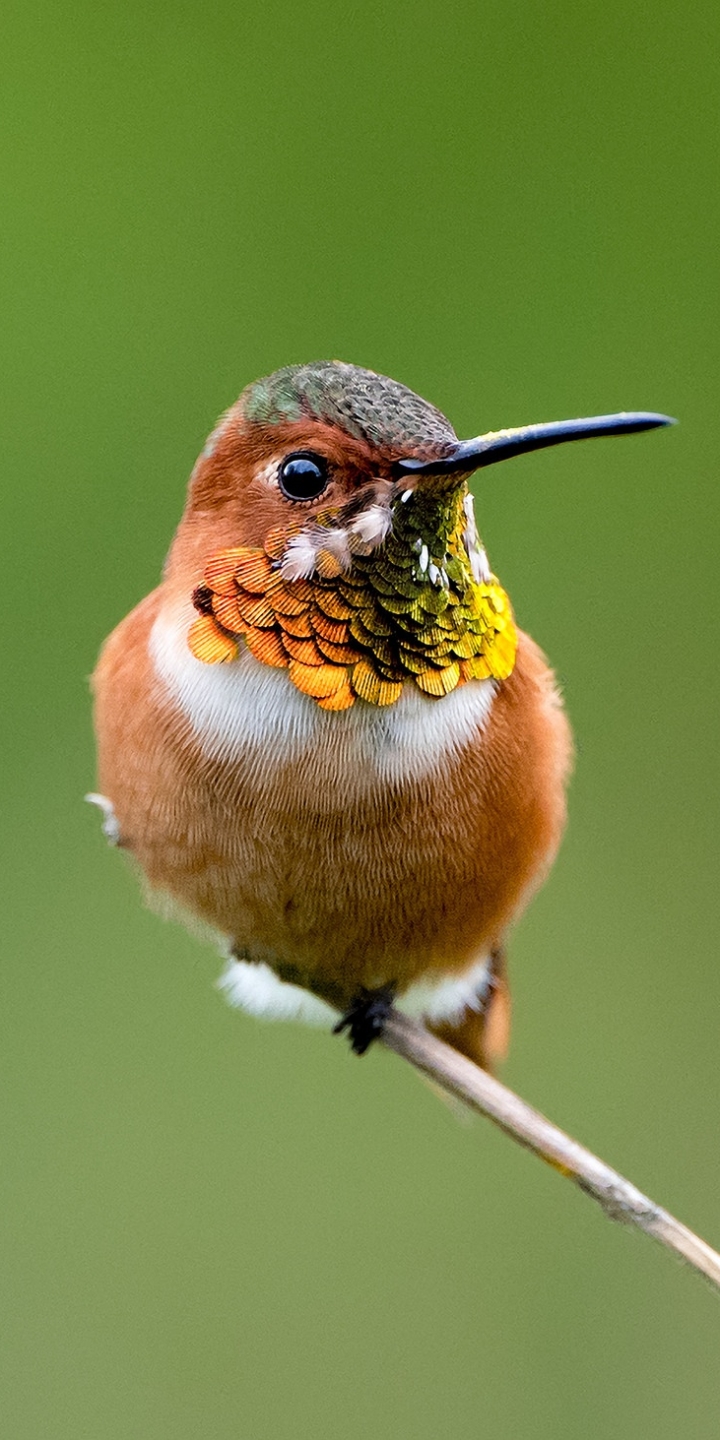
point(365, 1020)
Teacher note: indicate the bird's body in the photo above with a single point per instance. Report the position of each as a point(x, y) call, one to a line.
point(321, 734)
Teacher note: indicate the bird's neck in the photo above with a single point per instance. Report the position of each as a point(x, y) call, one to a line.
point(402, 593)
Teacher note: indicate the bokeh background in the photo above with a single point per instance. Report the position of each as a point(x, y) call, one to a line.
point(216, 1228)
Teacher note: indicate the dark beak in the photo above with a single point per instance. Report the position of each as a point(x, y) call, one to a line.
point(498, 445)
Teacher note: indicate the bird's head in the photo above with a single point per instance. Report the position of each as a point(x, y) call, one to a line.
point(329, 525)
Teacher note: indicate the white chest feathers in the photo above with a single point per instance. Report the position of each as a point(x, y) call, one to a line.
point(243, 706)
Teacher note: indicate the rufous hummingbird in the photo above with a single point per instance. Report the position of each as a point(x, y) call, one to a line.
point(323, 734)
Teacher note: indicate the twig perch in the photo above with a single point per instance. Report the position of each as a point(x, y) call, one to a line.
point(619, 1199)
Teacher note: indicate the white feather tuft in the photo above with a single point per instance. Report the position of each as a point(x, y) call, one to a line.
point(336, 541)
point(477, 555)
point(298, 562)
point(372, 525)
point(257, 989)
point(446, 999)
point(110, 824)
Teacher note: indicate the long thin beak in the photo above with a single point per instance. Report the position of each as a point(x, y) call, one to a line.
point(503, 444)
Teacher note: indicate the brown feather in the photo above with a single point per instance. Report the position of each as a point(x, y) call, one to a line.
point(348, 885)
point(338, 882)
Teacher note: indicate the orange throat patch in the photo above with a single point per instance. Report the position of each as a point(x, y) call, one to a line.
point(406, 610)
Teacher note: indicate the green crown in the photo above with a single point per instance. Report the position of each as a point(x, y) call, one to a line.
point(364, 405)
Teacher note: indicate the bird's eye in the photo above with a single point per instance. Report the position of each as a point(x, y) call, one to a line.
point(303, 476)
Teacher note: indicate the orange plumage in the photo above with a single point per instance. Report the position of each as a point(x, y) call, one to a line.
point(345, 823)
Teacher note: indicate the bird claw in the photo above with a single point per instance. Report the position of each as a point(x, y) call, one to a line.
point(365, 1018)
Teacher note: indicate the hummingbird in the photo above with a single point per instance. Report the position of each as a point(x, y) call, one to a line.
point(323, 734)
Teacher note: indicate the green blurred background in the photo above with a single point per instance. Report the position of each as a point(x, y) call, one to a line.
point(216, 1228)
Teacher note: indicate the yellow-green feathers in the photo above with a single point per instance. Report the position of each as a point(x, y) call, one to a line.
point(407, 610)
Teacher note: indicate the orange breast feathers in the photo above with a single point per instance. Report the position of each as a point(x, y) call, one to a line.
point(323, 734)
point(375, 848)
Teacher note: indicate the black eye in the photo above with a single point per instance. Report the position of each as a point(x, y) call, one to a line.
point(303, 476)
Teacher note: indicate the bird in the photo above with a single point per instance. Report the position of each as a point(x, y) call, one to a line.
point(323, 735)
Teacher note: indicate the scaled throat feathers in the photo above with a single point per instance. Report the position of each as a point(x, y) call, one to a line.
point(361, 599)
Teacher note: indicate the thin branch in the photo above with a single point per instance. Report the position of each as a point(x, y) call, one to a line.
point(482, 1092)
